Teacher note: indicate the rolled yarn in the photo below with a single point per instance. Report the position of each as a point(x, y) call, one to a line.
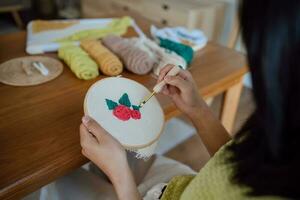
point(163, 56)
point(185, 51)
point(79, 62)
point(108, 62)
point(135, 59)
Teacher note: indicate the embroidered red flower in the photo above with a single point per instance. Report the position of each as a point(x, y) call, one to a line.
point(122, 112)
point(135, 114)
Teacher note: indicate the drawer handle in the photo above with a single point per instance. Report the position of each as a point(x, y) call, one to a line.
point(164, 22)
point(165, 7)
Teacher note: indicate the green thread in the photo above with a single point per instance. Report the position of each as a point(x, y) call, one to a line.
point(185, 51)
point(135, 107)
point(124, 100)
point(111, 104)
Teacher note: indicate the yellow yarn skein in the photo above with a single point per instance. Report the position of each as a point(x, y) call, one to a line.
point(79, 62)
point(108, 62)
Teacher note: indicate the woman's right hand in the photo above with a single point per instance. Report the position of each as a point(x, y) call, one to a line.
point(181, 89)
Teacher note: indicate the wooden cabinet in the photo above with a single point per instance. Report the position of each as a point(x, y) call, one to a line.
point(95, 8)
point(203, 14)
point(100, 8)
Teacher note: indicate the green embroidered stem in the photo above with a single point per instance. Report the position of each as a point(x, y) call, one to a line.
point(124, 100)
point(111, 104)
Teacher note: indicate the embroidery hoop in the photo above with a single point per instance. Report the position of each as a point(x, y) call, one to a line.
point(155, 136)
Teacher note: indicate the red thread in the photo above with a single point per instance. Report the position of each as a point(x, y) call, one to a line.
point(135, 114)
point(122, 112)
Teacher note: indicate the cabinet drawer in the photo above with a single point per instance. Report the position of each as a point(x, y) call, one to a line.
point(94, 8)
point(205, 15)
point(164, 13)
point(100, 8)
point(127, 5)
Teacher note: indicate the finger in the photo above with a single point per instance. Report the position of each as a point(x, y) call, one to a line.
point(165, 91)
point(83, 152)
point(177, 81)
point(164, 71)
point(173, 90)
point(86, 139)
point(186, 75)
point(174, 96)
point(94, 127)
point(163, 88)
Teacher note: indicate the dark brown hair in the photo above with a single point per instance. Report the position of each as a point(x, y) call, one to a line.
point(266, 151)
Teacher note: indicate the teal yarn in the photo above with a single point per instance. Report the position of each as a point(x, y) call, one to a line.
point(185, 51)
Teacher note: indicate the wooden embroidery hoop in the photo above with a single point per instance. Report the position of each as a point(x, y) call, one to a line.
point(130, 147)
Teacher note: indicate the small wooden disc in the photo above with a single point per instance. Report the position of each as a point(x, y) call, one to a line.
point(19, 71)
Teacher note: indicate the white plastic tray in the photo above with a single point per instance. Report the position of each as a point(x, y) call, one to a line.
point(42, 42)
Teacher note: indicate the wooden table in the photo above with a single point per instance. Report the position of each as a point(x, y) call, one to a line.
point(39, 136)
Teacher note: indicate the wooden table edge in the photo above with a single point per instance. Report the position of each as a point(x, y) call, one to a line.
point(42, 177)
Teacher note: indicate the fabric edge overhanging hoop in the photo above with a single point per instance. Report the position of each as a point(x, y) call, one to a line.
point(126, 146)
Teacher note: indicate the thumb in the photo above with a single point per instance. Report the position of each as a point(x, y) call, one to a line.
point(94, 127)
point(176, 81)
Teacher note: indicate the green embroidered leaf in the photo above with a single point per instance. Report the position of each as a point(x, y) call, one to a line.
point(124, 100)
point(111, 104)
point(135, 107)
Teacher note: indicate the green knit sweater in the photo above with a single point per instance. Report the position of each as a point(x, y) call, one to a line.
point(212, 182)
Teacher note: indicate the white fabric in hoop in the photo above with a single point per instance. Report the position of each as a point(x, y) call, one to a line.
point(138, 135)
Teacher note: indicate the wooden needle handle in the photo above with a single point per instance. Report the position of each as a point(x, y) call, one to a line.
point(173, 72)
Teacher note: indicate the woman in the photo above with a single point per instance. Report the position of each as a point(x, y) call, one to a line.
point(261, 162)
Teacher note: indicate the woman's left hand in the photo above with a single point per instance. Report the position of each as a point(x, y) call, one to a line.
point(102, 148)
point(108, 154)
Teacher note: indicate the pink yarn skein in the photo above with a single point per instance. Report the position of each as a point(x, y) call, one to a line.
point(135, 59)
